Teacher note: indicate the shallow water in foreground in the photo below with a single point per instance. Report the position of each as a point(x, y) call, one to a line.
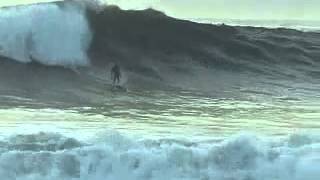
point(160, 135)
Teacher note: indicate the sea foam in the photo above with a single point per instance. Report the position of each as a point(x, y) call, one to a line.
point(243, 157)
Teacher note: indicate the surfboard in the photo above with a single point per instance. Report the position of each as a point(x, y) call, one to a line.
point(119, 88)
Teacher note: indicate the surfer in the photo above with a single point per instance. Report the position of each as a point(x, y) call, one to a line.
point(115, 74)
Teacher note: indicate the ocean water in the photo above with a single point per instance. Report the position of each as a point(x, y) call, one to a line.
point(157, 135)
point(302, 25)
point(167, 115)
point(209, 103)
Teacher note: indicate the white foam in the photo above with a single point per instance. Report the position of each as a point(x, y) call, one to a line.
point(117, 157)
point(51, 34)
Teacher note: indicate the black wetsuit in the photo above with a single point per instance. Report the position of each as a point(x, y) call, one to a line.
point(115, 74)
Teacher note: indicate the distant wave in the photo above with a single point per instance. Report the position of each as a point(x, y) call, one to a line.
point(48, 156)
point(302, 25)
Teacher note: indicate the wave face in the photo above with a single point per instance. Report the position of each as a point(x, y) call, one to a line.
point(155, 45)
point(51, 34)
point(51, 156)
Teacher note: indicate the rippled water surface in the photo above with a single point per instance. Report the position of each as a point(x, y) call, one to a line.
point(161, 114)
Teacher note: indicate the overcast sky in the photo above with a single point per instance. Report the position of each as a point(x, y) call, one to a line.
point(221, 9)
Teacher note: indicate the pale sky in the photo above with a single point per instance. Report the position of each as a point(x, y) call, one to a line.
point(220, 9)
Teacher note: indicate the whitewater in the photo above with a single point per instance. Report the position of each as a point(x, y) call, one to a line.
point(52, 156)
point(47, 33)
point(204, 101)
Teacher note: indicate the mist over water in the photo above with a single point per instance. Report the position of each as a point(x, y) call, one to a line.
point(203, 101)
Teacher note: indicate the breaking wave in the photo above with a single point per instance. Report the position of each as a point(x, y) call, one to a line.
point(50, 34)
point(152, 49)
point(48, 156)
point(73, 33)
